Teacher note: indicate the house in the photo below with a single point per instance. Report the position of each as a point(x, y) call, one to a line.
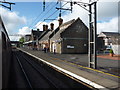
point(116, 44)
point(107, 37)
point(69, 37)
point(34, 38)
point(112, 41)
point(35, 34)
point(100, 44)
point(31, 41)
point(44, 37)
point(27, 37)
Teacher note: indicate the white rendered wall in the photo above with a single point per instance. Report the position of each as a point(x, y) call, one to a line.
point(116, 49)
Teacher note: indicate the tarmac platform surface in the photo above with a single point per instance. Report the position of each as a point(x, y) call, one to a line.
point(105, 77)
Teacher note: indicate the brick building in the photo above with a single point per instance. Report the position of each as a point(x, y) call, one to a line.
point(70, 37)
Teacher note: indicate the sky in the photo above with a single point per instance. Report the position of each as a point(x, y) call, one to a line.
point(27, 15)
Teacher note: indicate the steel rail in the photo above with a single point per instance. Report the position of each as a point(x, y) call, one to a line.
point(21, 66)
point(46, 78)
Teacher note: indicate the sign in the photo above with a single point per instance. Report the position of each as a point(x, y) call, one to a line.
point(68, 46)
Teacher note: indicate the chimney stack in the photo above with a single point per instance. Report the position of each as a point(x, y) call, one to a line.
point(60, 21)
point(38, 29)
point(52, 26)
point(45, 27)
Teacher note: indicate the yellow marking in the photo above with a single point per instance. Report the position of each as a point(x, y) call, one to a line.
point(85, 67)
point(89, 68)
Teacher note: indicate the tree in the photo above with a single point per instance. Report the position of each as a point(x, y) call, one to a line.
point(21, 40)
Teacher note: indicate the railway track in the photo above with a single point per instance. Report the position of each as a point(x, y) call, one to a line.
point(37, 75)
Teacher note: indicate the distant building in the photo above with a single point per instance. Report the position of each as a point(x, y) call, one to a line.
point(27, 37)
point(112, 41)
point(100, 44)
point(35, 34)
point(31, 41)
point(70, 37)
point(44, 37)
point(108, 37)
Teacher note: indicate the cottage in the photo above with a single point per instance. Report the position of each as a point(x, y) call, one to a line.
point(44, 38)
point(69, 37)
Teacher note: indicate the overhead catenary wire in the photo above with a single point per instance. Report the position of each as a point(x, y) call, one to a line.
point(50, 15)
point(39, 16)
point(42, 17)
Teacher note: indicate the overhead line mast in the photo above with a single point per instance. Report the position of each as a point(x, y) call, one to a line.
point(92, 62)
point(9, 3)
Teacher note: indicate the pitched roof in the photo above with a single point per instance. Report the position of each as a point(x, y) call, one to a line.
point(109, 34)
point(45, 35)
point(36, 33)
point(54, 32)
point(64, 27)
point(28, 35)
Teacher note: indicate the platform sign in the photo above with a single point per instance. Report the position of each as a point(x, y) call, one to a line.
point(69, 46)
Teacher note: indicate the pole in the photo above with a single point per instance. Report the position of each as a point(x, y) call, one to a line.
point(95, 35)
point(90, 20)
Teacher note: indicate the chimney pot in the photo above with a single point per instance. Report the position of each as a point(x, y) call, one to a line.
point(60, 21)
point(38, 30)
point(44, 27)
point(52, 26)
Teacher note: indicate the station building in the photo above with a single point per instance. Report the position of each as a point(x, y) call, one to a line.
point(68, 37)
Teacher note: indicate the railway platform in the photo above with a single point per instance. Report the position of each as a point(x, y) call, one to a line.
point(106, 77)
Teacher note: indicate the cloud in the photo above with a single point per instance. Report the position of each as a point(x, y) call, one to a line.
point(107, 16)
point(110, 26)
point(107, 10)
point(76, 12)
point(11, 20)
point(40, 24)
point(15, 38)
point(24, 31)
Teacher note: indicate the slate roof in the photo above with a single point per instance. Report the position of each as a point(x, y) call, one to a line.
point(54, 32)
point(111, 34)
point(36, 33)
point(28, 35)
point(63, 27)
point(115, 37)
point(45, 35)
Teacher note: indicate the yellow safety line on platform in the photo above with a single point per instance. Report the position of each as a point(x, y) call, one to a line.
point(85, 67)
point(91, 69)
